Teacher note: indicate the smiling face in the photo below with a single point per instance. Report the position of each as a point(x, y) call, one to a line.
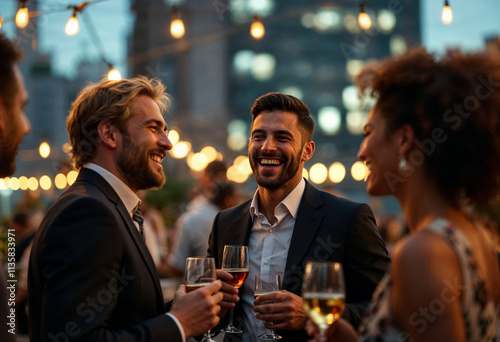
point(143, 146)
point(276, 151)
point(380, 154)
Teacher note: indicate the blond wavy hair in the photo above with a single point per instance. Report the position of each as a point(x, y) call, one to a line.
point(107, 101)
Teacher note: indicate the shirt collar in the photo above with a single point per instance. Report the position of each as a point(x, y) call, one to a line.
point(291, 201)
point(127, 196)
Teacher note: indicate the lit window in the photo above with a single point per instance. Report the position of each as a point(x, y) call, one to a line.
point(327, 20)
point(355, 121)
point(329, 120)
point(350, 98)
point(386, 20)
point(242, 62)
point(294, 91)
point(263, 66)
point(397, 45)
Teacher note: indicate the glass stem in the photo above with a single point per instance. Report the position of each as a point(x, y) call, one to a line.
point(207, 336)
point(231, 313)
point(322, 335)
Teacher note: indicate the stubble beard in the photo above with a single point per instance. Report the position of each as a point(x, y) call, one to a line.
point(288, 171)
point(8, 153)
point(133, 164)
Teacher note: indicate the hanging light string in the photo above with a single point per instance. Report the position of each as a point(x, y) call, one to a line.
point(177, 29)
point(113, 74)
point(22, 15)
point(447, 15)
point(174, 47)
point(207, 38)
point(364, 20)
point(72, 27)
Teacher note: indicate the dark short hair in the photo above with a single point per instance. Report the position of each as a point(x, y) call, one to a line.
point(457, 96)
point(216, 169)
point(9, 56)
point(219, 191)
point(286, 103)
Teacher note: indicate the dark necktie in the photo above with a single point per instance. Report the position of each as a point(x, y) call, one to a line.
point(139, 219)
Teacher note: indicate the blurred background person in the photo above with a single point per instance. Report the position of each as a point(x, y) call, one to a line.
point(432, 141)
point(392, 230)
point(192, 235)
point(154, 230)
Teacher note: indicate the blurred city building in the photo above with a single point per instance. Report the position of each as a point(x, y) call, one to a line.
point(311, 49)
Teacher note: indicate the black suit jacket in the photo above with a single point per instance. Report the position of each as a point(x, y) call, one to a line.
point(91, 277)
point(327, 228)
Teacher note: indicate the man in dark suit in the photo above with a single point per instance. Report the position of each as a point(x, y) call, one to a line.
point(13, 126)
point(289, 222)
point(91, 277)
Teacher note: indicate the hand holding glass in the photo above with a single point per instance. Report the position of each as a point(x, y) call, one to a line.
point(265, 284)
point(200, 272)
point(323, 292)
point(235, 262)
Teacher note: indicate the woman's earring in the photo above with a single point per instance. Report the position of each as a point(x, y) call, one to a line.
point(403, 166)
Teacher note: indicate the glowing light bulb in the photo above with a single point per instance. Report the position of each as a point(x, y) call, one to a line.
point(364, 19)
point(114, 74)
point(72, 26)
point(22, 17)
point(44, 150)
point(257, 29)
point(447, 15)
point(177, 29)
point(1, 22)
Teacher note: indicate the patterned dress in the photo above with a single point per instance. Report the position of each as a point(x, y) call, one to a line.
point(478, 309)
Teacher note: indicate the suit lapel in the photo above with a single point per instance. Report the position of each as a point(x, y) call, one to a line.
point(103, 185)
point(307, 223)
point(242, 236)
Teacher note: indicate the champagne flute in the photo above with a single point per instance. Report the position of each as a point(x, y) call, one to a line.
point(235, 262)
point(200, 272)
point(323, 292)
point(265, 284)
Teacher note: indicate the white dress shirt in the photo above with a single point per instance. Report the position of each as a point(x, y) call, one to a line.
point(268, 251)
point(130, 200)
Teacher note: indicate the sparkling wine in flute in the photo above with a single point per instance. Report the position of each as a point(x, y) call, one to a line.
point(192, 287)
point(324, 308)
point(239, 275)
point(255, 295)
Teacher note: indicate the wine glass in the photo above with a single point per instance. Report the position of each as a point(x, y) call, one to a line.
point(265, 284)
point(323, 292)
point(235, 262)
point(200, 272)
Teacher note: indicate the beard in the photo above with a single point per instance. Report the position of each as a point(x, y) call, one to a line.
point(8, 153)
point(289, 169)
point(133, 164)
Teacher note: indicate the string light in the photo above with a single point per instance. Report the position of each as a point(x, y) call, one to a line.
point(176, 26)
point(114, 74)
point(72, 26)
point(44, 150)
point(22, 16)
point(1, 22)
point(364, 19)
point(447, 15)
point(257, 29)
